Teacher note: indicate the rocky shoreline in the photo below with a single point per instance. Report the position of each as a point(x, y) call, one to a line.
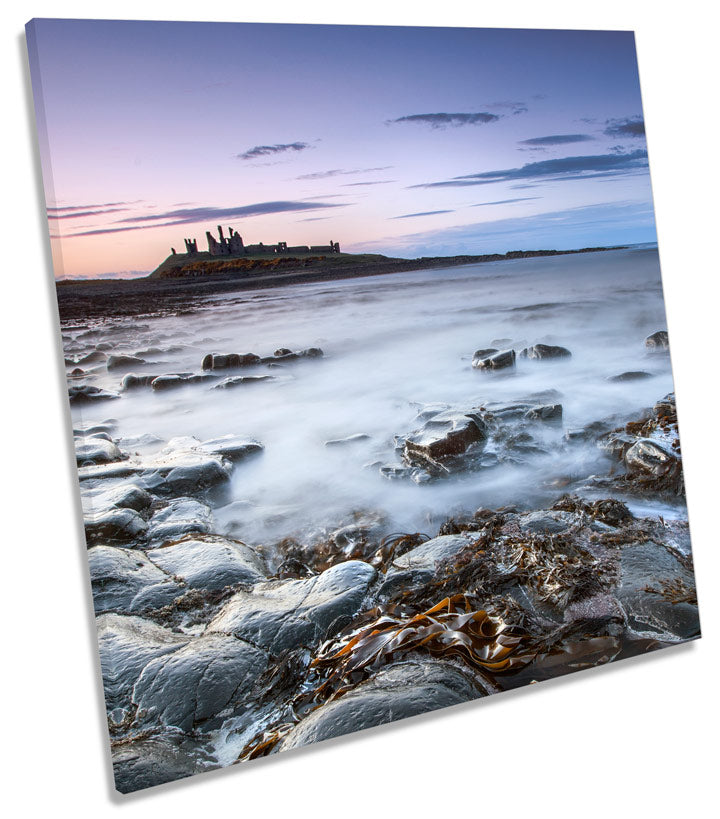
point(215, 651)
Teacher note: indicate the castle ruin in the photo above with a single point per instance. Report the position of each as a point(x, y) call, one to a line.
point(232, 245)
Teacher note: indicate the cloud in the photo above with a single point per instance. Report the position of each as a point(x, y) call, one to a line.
point(362, 184)
point(506, 201)
point(606, 224)
point(514, 107)
point(67, 208)
point(341, 172)
point(192, 216)
point(271, 150)
point(557, 139)
point(443, 120)
point(425, 213)
point(628, 127)
point(562, 169)
point(78, 214)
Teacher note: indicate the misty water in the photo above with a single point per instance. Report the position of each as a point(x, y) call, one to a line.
point(392, 344)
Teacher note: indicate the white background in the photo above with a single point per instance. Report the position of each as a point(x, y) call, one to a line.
point(636, 738)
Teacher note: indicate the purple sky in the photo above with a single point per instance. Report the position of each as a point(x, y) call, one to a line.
point(406, 141)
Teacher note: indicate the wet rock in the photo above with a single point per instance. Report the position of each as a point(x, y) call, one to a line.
point(155, 760)
point(180, 517)
point(132, 381)
point(95, 357)
point(399, 691)
point(127, 644)
point(232, 447)
point(657, 591)
point(430, 554)
point(171, 381)
point(195, 477)
point(242, 380)
point(485, 352)
point(229, 361)
point(444, 435)
point(210, 561)
point(125, 580)
point(497, 361)
point(546, 412)
point(545, 351)
point(114, 525)
point(658, 341)
point(632, 375)
point(195, 683)
point(284, 354)
point(351, 439)
point(124, 362)
point(651, 460)
point(285, 614)
point(87, 394)
point(125, 495)
point(96, 451)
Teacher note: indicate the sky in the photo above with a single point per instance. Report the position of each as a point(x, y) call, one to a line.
point(397, 140)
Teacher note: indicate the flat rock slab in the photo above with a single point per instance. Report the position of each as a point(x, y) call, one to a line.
point(126, 581)
point(122, 495)
point(545, 351)
point(94, 450)
point(402, 690)
point(209, 561)
point(446, 434)
point(285, 614)
point(428, 555)
point(127, 644)
point(198, 681)
point(649, 572)
point(180, 517)
point(114, 525)
point(156, 760)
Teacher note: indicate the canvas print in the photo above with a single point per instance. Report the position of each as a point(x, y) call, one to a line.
point(368, 370)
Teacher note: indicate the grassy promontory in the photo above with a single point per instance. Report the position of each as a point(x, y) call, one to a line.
point(181, 279)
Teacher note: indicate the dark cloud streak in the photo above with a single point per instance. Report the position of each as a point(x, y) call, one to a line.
point(562, 169)
point(443, 120)
point(557, 139)
point(271, 150)
point(628, 127)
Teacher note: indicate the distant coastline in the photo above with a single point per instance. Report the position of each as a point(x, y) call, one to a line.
point(167, 288)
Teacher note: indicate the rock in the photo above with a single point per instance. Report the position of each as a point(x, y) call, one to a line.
point(127, 644)
point(114, 525)
point(653, 590)
point(180, 517)
point(198, 681)
point(544, 351)
point(283, 354)
point(195, 477)
point(428, 555)
point(633, 375)
point(96, 357)
point(242, 380)
point(402, 690)
point(123, 362)
point(285, 614)
point(351, 439)
point(444, 435)
point(155, 760)
point(87, 394)
point(545, 523)
point(229, 361)
point(123, 495)
point(658, 341)
point(232, 447)
point(125, 580)
point(132, 381)
point(649, 459)
point(171, 381)
point(96, 451)
point(486, 352)
point(497, 361)
point(547, 412)
point(209, 561)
